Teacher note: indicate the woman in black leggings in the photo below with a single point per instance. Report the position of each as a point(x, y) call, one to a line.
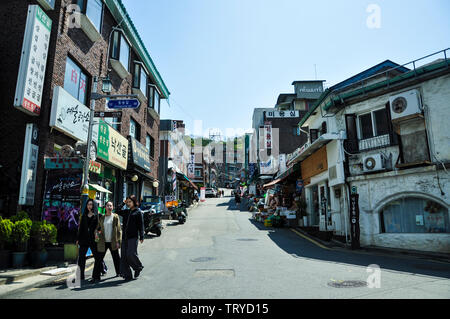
point(86, 238)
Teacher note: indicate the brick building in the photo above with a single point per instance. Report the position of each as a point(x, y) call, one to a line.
point(101, 42)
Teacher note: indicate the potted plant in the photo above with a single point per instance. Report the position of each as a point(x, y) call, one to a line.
point(20, 235)
point(41, 235)
point(5, 239)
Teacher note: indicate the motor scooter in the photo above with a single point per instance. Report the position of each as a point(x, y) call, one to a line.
point(177, 211)
point(152, 221)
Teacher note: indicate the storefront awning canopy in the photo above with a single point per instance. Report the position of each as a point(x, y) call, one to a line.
point(99, 188)
point(317, 144)
point(185, 177)
point(272, 183)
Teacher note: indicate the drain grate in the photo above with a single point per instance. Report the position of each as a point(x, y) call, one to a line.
point(202, 259)
point(347, 284)
point(247, 239)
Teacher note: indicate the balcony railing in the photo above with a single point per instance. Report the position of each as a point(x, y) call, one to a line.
point(375, 142)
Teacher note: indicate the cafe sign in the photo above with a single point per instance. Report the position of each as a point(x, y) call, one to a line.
point(33, 61)
point(112, 147)
point(69, 115)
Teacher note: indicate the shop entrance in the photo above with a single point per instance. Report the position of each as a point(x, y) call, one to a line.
point(324, 198)
point(315, 205)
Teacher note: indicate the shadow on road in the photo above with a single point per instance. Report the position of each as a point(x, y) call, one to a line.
point(299, 247)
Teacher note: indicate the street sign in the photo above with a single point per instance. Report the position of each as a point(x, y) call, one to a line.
point(123, 104)
point(117, 114)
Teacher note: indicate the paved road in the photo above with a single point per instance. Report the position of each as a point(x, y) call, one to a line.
point(221, 253)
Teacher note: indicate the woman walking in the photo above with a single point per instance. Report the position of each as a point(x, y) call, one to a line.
point(86, 239)
point(133, 223)
point(110, 238)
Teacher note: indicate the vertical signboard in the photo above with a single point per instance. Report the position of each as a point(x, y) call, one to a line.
point(33, 61)
point(268, 135)
point(191, 166)
point(29, 166)
point(354, 220)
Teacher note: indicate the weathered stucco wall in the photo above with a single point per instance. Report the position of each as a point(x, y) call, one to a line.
point(379, 189)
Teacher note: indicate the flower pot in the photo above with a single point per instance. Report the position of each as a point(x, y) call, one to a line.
point(55, 254)
point(18, 259)
point(39, 259)
point(5, 259)
point(70, 252)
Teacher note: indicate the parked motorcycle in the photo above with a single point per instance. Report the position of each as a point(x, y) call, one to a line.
point(151, 208)
point(152, 221)
point(178, 211)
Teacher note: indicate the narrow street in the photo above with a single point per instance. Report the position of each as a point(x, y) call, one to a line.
point(222, 253)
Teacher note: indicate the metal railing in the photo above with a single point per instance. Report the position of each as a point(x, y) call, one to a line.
point(374, 142)
point(362, 84)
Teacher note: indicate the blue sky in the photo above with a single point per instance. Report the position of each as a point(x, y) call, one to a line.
point(222, 58)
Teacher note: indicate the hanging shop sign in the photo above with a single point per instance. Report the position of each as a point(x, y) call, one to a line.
point(29, 166)
point(140, 154)
point(282, 114)
point(268, 135)
point(354, 220)
point(299, 186)
point(112, 147)
point(33, 61)
point(69, 115)
point(191, 166)
point(47, 4)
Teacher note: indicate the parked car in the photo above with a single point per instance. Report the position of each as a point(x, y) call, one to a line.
point(210, 192)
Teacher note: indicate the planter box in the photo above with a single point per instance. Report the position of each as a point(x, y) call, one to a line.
point(70, 252)
point(5, 259)
point(39, 259)
point(55, 254)
point(18, 259)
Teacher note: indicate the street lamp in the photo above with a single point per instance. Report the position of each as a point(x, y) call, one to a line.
point(106, 85)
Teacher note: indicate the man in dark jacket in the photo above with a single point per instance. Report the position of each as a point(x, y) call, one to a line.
point(133, 229)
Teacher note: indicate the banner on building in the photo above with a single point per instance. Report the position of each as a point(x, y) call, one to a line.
point(354, 220)
point(33, 61)
point(29, 165)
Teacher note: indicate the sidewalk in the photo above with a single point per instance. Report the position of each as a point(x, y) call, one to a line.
point(334, 244)
point(19, 280)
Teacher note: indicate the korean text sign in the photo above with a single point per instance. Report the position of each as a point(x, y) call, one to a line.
point(33, 61)
point(112, 147)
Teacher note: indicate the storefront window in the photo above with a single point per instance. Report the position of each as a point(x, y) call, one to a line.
point(414, 215)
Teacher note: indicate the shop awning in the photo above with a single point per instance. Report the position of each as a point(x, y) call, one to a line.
point(317, 144)
point(272, 183)
point(289, 171)
point(187, 179)
point(99, 188)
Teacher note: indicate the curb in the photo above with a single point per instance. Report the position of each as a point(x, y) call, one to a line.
point(333, 244)
point(36, 284)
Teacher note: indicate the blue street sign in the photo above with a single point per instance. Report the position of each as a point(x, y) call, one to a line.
point(123, 104)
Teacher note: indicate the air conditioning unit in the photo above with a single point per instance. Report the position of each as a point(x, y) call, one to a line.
point(405, 104)
point(373, 163)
